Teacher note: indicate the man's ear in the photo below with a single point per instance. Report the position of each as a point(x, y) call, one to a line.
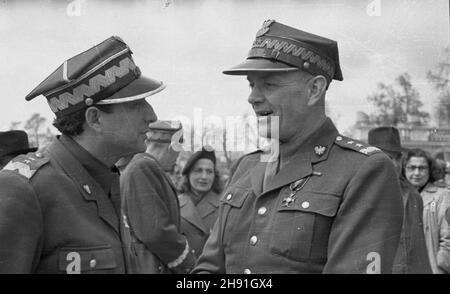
point(317, 88)
point(92, 116)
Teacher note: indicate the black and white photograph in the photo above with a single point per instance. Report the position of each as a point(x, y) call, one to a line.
point(185, 137)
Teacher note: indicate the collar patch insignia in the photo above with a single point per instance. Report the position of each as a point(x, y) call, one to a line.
point(319, 150)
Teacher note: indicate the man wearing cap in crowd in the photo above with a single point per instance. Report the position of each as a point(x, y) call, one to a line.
point(412, 256)
point(151, 206)
point(328, 203)
point(60, 210)
point(13, 143)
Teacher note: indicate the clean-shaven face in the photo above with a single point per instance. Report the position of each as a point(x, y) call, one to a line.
point(279, 96)
point(127, 125)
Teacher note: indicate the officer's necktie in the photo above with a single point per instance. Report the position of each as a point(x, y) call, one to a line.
point(271, 171)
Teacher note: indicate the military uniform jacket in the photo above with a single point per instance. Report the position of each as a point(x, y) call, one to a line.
point(152, 210)
point(198, 220)
point(345, 216)
point(55, 218)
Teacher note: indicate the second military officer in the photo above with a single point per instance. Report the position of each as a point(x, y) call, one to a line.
point(327, 203)
point(60, 210)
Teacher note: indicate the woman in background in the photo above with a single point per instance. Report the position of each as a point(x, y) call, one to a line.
point(417, 168)
point(199, 202)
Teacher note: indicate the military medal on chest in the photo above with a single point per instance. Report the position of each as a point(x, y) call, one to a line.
point(294, 188)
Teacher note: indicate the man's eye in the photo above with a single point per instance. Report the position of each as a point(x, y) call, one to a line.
point(270, 85)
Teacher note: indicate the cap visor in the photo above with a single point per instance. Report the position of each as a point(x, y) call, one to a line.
point(259, 65)
point(138, 89)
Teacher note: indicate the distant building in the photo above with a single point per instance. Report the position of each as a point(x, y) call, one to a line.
point(434, 140)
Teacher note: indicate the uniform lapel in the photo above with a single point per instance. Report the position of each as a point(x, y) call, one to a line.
point(297, 168)
point(257, 177)
point(313, 150)
point(189, 213)
point(89, 188)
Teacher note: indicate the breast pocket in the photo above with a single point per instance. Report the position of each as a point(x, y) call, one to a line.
point(75, 260)
point(232, 201)
point(301, 230)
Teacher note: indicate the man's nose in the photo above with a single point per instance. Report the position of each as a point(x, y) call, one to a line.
point(150, 115)
point(255, 96)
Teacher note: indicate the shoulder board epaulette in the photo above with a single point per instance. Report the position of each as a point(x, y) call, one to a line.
point(356, 145)
point(26, 164)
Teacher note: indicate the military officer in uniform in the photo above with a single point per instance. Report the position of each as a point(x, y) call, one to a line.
point(60, 210)
point(152, 209)
point(326, 203)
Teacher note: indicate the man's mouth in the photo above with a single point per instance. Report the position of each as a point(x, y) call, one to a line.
point(263, 112)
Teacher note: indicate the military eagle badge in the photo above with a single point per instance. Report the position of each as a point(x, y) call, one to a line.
point(265, 28)
point(319, 150)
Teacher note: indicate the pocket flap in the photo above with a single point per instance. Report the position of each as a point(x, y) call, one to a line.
point(234, 197)
point(86, 258)
point(315, 202)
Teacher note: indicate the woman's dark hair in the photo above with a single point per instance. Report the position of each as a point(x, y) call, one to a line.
point(186, 185)
point(416, 152)
point(72, 124)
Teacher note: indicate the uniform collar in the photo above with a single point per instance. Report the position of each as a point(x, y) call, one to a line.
point(89, 188)
point(318, 144)
point(103, 175)
point(310, 151)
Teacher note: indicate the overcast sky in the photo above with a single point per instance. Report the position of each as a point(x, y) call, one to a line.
point(187, 43)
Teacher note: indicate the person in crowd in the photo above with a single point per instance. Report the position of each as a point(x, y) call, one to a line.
point(199, 201)
point(417, 168)
point(13, 143)
point(438, 172)
point(412, 255)
point(316, 201)
point(151, 207)
point(60, 209)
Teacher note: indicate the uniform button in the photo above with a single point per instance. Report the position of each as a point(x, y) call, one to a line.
point(247, 271)
point(229, 196)
point(262, 210)
point(253, 240)
point(339, 138)
point(92, 263)
point(305, 204)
